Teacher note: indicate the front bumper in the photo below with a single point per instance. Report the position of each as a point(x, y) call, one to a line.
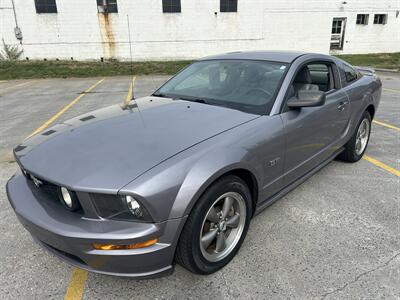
point(70, 236)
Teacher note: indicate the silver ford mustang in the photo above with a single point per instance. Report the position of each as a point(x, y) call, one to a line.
point(177, 176)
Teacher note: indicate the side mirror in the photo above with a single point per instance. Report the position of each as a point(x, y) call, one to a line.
point(307, 98)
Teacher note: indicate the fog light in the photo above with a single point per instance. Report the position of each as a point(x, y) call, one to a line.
point(125, 247)
point(66, 197)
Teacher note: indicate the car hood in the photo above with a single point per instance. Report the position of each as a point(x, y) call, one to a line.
point(106, 149)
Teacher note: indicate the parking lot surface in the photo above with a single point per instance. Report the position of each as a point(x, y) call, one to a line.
point(336, 236)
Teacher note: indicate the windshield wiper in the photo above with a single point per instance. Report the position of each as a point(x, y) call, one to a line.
point(160, 95)
point(193, 99)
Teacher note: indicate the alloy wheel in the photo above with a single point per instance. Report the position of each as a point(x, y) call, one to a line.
point(362, 136)
point(223, 226)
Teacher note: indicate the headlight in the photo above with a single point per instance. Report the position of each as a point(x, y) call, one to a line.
point(118, 207)
point(69, 199)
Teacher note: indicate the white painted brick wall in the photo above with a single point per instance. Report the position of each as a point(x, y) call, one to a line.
point(78, 31)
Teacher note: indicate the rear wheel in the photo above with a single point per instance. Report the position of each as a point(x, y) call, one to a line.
point(216, 227)
point(356, 146)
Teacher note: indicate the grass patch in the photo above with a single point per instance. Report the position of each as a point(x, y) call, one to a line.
point(62, 69)
point(381, 60)
point(56, 69)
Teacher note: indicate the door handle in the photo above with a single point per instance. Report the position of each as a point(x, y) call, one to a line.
point(342, 105)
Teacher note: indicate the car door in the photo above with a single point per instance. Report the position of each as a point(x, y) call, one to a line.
point(312, 133)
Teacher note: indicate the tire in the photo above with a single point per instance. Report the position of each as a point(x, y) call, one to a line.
point(352, 153)
point(194, 254)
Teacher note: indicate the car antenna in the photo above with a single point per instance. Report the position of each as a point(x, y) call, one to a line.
point(131, 97)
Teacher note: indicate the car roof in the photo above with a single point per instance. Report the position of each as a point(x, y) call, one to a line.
point(279, 56)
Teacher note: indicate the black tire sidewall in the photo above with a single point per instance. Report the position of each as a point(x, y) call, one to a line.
point(222, 186)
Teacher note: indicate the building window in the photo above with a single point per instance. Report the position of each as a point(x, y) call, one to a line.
point(380, 19)
point(107, 6)
point(228, 5)
point(171, 6)
point(46, 6)
point(362, 19)
point(337, 27)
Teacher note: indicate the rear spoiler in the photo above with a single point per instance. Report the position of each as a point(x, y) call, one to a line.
point(365, 70)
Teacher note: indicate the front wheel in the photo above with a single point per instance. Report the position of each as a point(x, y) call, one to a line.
point(216, 227)
point(356, 146)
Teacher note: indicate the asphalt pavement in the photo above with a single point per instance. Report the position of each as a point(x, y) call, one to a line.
point(336, 236)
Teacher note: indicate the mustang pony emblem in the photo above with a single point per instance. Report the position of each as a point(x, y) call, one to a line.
point(36, 181)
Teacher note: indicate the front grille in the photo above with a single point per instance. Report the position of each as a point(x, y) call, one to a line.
point(49, 189)
point(46, 191)
point(43, 189)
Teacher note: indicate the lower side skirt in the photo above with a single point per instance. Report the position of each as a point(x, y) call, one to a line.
point(264, 204)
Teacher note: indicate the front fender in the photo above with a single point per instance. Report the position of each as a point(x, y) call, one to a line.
point(205, 171)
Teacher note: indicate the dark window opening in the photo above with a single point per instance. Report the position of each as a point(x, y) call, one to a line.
point(107, 6)
point(350, 73)
point(336, 27)
point(322, 76)
point(46, 6)
point(362, 19)
point(380, 19)
point(171, 6)
point(315, 76)
point(228, 5)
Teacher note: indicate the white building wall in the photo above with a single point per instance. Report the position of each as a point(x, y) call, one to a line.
point(79, 31)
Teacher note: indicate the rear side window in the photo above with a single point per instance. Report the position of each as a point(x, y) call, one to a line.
point(350, 74)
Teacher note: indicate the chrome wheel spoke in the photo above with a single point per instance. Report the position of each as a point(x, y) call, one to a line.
point(213, 215)
point(233, 222)
point(208, 238)
point(364, 133)
point(358, 144)
point(220, 242)
point(228, 202)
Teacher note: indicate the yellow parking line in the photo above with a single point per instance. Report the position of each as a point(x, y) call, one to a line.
point(57, 115)
point(391, 90)
point(386, 125)
point(130, 91)
point(76, 285)
point(18, 85)
point(381, 165)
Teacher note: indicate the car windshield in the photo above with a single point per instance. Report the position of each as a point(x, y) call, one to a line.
point(245, 85)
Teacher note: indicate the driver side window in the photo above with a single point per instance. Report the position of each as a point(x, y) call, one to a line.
point(313, 76)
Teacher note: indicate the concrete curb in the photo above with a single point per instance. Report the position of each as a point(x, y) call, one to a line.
point(387, 70)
